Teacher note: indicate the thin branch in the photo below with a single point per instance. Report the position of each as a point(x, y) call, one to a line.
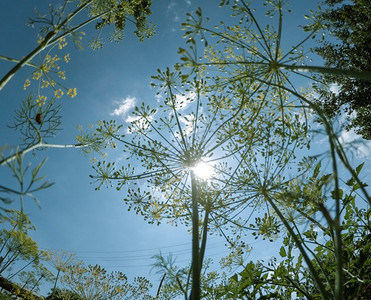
point(12, 157)
point(45, 43)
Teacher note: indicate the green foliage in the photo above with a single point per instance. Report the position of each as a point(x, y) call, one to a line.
point(236, 108)
point(250, 52)
point(60, 294)
point(5, 296)
point(21, 259)
point(61, 23)
point(233, 111)
point(119, 12)
point(281, 277)
point(243, 133)
point(29, 180)
point(268, 227)
point(38, 120)
point(195, 122)
point(102, 13)
point(177, 281)
point(37, 123)
point(94, 282)
point(350, 24)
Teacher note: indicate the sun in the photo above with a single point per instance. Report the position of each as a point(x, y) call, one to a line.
point(203, 170)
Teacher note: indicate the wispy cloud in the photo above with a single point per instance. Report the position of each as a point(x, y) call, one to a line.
point(182, 101)
point(188, 121)
point(173, 9)
point(178, 8)
point(362, 148)
point(171, 5)
point(159, 98)
point(124, 106)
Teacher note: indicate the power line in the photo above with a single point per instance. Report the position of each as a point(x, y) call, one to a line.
point(146, 256)
point(180, 261)
point(127, 251)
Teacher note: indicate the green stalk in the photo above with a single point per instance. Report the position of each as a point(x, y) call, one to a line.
point(26, 60)
point(196, 270)
point(298, 243)
point(338, 242)
point(204, 238)
point(364, 75)
point(35, 146)
point(45, 43)
point(56, 280)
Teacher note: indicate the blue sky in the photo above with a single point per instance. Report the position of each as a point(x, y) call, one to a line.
point(73, 216)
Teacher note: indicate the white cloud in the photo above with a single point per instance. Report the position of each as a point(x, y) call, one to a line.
point(316, 229)
point(335, 88)
point(188, 122)
point(362, 148)
point(173, 9)
point(159, 98)
point(182, 101)
point(177, 9)
point(171, 5)
point(131, 119)
point(124, 106)
point(270, 274)
point(187, 127)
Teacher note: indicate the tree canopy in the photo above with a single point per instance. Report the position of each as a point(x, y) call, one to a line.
point(349, 25)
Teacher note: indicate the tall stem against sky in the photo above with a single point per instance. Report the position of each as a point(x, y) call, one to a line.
point(196, 270)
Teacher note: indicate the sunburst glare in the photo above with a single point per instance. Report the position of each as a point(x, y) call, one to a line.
point(203, 170)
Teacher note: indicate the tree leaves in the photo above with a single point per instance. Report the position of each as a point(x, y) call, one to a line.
point(20, 255)
point(283, 252)
point(349, 24)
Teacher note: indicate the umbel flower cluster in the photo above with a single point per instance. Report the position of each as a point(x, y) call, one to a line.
point(49, 74)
